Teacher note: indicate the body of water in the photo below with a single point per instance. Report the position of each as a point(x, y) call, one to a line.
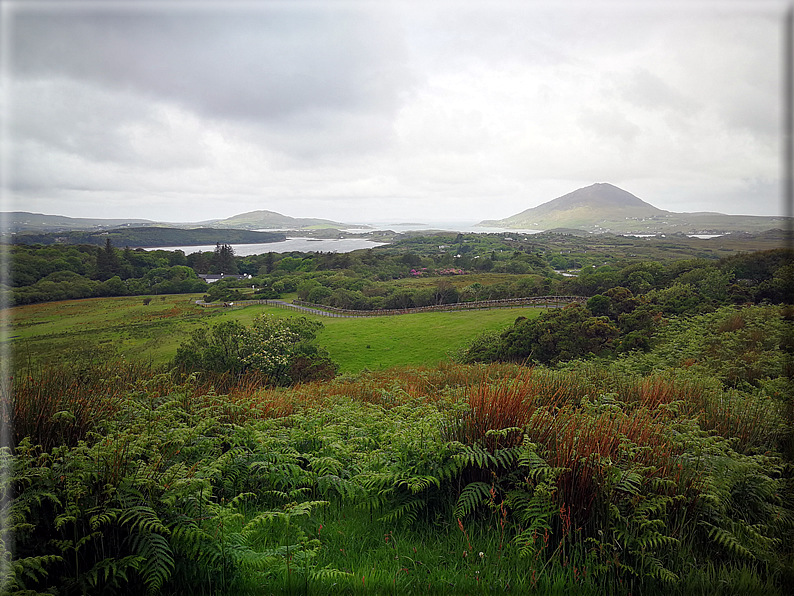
point(351, 244)
point(288, 245)
point(701, 236)
point(343, 244)
point(469, 227)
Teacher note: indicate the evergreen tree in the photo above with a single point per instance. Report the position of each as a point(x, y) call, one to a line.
point(269, 262)
point(108, 263)
point(223, 260)
point(199, 261)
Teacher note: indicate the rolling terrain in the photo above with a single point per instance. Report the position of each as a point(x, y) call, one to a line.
point(267, 220)
point(603, 208)
point(138, 237)
point(24, 222)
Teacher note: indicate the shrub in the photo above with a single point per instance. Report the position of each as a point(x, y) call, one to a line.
point(279, 349)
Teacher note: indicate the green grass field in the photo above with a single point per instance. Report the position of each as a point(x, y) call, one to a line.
point(409, 340)
point(62, 331)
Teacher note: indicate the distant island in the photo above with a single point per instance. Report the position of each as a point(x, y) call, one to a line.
point(263, 220)
point(598, 208)
point(24, 222)
point(605, 208)
point(151, 236)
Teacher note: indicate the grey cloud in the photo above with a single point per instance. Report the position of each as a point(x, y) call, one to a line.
point(317, 137)
point(608, 124)
point(79, 118)
point(647, 90)
point(256, 65)
point(178, 110)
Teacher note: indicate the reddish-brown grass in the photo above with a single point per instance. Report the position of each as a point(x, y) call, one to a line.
point(59, 406)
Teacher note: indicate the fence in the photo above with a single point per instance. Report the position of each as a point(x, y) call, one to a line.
point(331, 311)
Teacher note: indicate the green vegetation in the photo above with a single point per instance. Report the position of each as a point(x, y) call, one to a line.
point(150, 236)
point(44, 274)
point(417, 270)
point(638, 443)
point(603, 207)
point(281, 350)
point(409, 340)
point(445, 480)
point(115, 327)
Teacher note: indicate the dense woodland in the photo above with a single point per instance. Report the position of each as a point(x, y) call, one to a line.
point(637, 443)
point(517, 265)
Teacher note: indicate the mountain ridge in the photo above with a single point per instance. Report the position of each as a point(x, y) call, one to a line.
point(264, 219)
point(604, 207)
point(26, 222)
point(21, 221)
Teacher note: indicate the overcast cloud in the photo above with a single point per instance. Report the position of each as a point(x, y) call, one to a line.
point(403, 111)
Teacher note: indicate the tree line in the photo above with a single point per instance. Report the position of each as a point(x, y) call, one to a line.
point(45, 273)
point(365, 279)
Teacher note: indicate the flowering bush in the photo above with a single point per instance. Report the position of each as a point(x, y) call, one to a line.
point(450, 271)
point(281, 349)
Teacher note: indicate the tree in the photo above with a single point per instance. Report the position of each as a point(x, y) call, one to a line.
point(599, 305)
point(199, 262)
point(445, 292)
point(570, 332)
point(679, 299)
point(113, 287)
point(318, 294)
point(218, 349)
point(223, 260)
point(269, 262)
point(108, 263)
point(281, 349)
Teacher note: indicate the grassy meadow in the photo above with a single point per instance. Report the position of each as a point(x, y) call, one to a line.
point(122, 326)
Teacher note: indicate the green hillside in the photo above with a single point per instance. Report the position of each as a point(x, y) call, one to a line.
point(154, 236)
point(24, 221)
point(258, 220)
point(605, 208)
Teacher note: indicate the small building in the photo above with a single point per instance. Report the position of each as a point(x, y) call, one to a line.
point(213, 277)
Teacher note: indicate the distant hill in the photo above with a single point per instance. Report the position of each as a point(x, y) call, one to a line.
point(265, 220)
point(20, 221)
point(151, 236)
point(604, 208)
point(23, 221)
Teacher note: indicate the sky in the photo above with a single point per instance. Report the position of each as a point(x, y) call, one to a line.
point(376, 111)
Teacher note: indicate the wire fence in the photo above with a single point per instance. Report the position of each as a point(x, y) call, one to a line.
point(331, 311)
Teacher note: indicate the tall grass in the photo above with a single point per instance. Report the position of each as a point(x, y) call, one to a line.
point(61, 405)
point(588, 479)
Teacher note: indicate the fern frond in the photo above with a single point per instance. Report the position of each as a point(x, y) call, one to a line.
point(417, 484)
point(344, 488)
point(658, 571)
point(406, 511)
point(630, 482)
point(110, 571)
point(327, 573)
point(471, 497)
point(157, 559)
point(728, 540)
point(142, 518)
